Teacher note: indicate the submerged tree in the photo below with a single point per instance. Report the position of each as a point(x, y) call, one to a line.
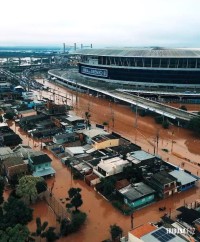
point(16, 212)
point(116, 232)
point(75, 198)
point(41, 227)
point(27, 187)
point(1, 190)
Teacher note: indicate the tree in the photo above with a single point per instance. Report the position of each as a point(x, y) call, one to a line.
point(108, 185)
point(87, 119)
point(194, 125)
point(18, 233)
point(9, 115)
point(1, 190)
point(41, 227)
point(41, 186)
point(15, 212)
point(27, 188)
point(183, 107)
point(165, 124)
point(75, 198)
point(116, 232)
point(50, 235)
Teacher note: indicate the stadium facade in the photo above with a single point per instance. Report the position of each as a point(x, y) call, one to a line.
point(158, 67)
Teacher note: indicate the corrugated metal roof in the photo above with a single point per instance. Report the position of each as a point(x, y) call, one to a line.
point(182, 177)
point(142, 52)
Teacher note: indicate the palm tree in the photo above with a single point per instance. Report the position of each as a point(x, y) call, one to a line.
point(41, 227)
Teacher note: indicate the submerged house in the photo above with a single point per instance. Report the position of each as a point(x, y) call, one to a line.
point(164, 183)
point(111, 166)
point(40, 164)
point(64, 138)
point(184, 180)
point(13, 166)
point(137, 195)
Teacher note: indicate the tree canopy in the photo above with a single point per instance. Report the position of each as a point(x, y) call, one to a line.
point(15, 212)
point(1, 190)
point(75, 198)
point(18, 233)
point(28, 188)
point(115, 231)
point(194, 125)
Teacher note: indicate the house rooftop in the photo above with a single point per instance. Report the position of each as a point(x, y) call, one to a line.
point(163, 177)
point(136, 191)
point(92, 132)
point(5, 151)
point(103, 137)
point(40, 159)
point(13, 161)
point(161, 235)
point(141, 155)
point(74, 118)
point(188, 215)
point(112, 163)
point(143, 230)
point(182, 177)
point(124, 149)
point(62, 136)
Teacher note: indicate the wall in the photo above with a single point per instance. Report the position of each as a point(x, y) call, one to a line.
point(132, 238)
point(106, 143)
point(140, 202)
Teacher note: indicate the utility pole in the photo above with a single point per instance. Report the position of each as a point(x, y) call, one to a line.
point(136, 120)
point(132, 218)
point(157, 140)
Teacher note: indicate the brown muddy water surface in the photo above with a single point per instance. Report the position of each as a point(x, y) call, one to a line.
point(180, 143)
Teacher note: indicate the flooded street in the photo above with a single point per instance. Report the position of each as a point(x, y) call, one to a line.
point(180, 144)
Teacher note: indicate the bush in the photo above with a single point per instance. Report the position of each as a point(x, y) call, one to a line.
point(9, 115)
point(165, 124)
point(159, 119)
point(183, 107)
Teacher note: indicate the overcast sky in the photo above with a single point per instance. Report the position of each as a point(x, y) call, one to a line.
point(167, 23)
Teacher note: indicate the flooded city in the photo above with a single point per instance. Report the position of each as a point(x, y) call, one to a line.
point(182, 150)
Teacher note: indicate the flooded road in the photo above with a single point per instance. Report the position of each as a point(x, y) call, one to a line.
point(180, 144)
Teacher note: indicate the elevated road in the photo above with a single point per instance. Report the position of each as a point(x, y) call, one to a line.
point(162, 109)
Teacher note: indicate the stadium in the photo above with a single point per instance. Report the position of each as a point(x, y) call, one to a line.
point(151, 67)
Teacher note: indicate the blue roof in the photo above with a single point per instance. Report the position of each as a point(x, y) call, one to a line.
point(183, 177)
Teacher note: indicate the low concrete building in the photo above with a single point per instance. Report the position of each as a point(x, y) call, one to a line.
point(140, 157)
point(150, 233)
point(104, 141)
point(64, 138)
point(184, 180)
point(26, 113)
point(164, 183)
point(14, 165)
point(137, 195)
point(40, 164)
point(111, 166)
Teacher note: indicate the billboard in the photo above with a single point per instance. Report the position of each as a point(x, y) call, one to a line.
point(94, 71)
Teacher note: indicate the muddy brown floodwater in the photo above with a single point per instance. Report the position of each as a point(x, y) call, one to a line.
point(180, 144)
